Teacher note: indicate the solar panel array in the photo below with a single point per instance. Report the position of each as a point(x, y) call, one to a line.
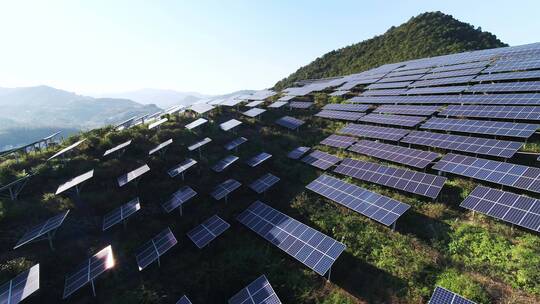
point(181, 167)
point(254, 112)
point(289, 122)
point(20, 287)
point(487, 99)
point(346, 107)
point(445, 296)
point(340, 115)
point(407, 110)
point(132, 175)
point(300, 104)
point(307, 245)
point(388, 85)
point(224, 189)
point(517, 176)
point(476, 145)
point(376, 132)
point(338, 141)
point(499, 128)
point(499, 112)
point(523, 86)
point(235, 143)
point(210, 229)
point(264, 183)
point(410, 181)
point(321, 160)
point(257, 292)
point(508, 76)
point(258, 159)
point(179, 198)
point(375, 206)
point(121, 213)
point(224, 163)
point(407, 156)
point(155, 248)
point(391, 119)
point(297, 152)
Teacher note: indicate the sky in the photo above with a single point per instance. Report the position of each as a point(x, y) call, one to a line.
point(211, 47)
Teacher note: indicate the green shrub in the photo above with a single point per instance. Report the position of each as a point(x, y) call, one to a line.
point(462, 284)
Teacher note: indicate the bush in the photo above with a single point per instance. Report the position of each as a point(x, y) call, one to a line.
point(462, 284)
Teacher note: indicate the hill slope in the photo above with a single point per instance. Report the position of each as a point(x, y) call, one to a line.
point(426, 35)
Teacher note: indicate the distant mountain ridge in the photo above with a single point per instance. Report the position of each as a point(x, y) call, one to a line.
point(159, 97)
point(426, 35)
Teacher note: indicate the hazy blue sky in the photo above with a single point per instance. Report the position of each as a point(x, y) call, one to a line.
point(208, 46)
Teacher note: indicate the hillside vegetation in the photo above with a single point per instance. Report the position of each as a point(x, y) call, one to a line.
point(426, 35)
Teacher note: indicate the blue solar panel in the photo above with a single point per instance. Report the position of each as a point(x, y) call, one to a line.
point(258, 159)
point(321, 160)
point(289, 122)
point(257, 292)
point(407, 156)
point(210, 229)
point(445, 296)
point(340, 115)
point(264, 183)
point(297, 152)
point(376, 132)
point(224, 163)
point(511, 129)
point(184, 300)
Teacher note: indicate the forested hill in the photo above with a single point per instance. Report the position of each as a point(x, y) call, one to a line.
point(426, 35)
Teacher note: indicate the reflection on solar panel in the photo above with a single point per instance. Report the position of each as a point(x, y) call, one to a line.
point(157, 123)
point(388, 85)
point(196, 123)
point(155, 248)
point(346, 107)
point(410, 181)
point(493, 147)
point(264, 183)
point(501, 112)
point(43, 230)
point(20, 287)
point(341, 115)
point(463, 66)
point(88, 271)
point(442, 81)
point(509, 207)
point(254, 112)
point(258, 159)
point(297, 152)
point(510, 129)
point(338, 141)
point(513, 65)
point(257, 292)
point(224, 163)
point(455, 73)
point(228, 125)
point(179, 198)
point(224, 189)
point(307, 245)
point(400, 78)
point(494, 99)
point(524, 86)
point(403, 72)
point(374, 132)
point(407, 110)
point(289, 122)
point(445, 296)
point(407, 156)
point(391, 119)
point(437, 90)
point(254, 103)
point(67, 149)
point(121, 213)
point(508, 76)
point(235, 143)
point(160, 146)
point(286, 98)
point(210, 229)
point(119, 147)
point(135, 174)
point(184, 300)
point(321, 160)
point(199, 144)
point(385, 92)
point(375, 206)
point(517, 176)
point(75, 182)
point(300, 104)
point(277, 104)
point(181, 167)
point(339, 93)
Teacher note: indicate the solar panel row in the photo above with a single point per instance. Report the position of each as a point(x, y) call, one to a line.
point(391, 119)
point(407, 156)
point(511, 129)
point(321, 160)
point(376, 132)
point(340, 115)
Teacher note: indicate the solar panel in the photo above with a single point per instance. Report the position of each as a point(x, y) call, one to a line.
point(522, 86)
point(224, 163)
point(400, 78)
point(289, 122)
point(160, 146)
point(286, 97)
point(196, 123)
point(437, 90)
point(230, 124)
point(321, 160)
point(517, 176)
point(346, 107)
point(43, 230)
point(278, 104)
point(297, 152)
point(181, 167)
point(406, 156)
point(513, 65)
point(341, 115)
point(88, 271)
point(300, 104)
point(464, 66)
point(453, 73)
point(264, 183)
point(407, 110)
point(157, 123)
point(67, 149)
point(132, 175)
point(500, 112)
point(258, 159)
point(199, 144)
point(376, 132)
point(338, 141)
point(254, 112)
point(20, 287)
point(184, 300)
point(409, 181)
point(508, 76)
point(235, 143)
point(510, 129)
point(388, 85)
point(445, 296)
point(476, 145)
point(391, 119)
point(152, 250)
point(375, 206)
point(384, 92)
point(179, 198)
point(75, 182)
point(201, 108)
point(493, 99)
point(254, 103)
point(307, 245)
point(403, 72)
point(257, 292)
point(119, 147)
point(339, 93)
point(121, 213)
point(210, 229)
point(442, 81)
point(224, 189)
